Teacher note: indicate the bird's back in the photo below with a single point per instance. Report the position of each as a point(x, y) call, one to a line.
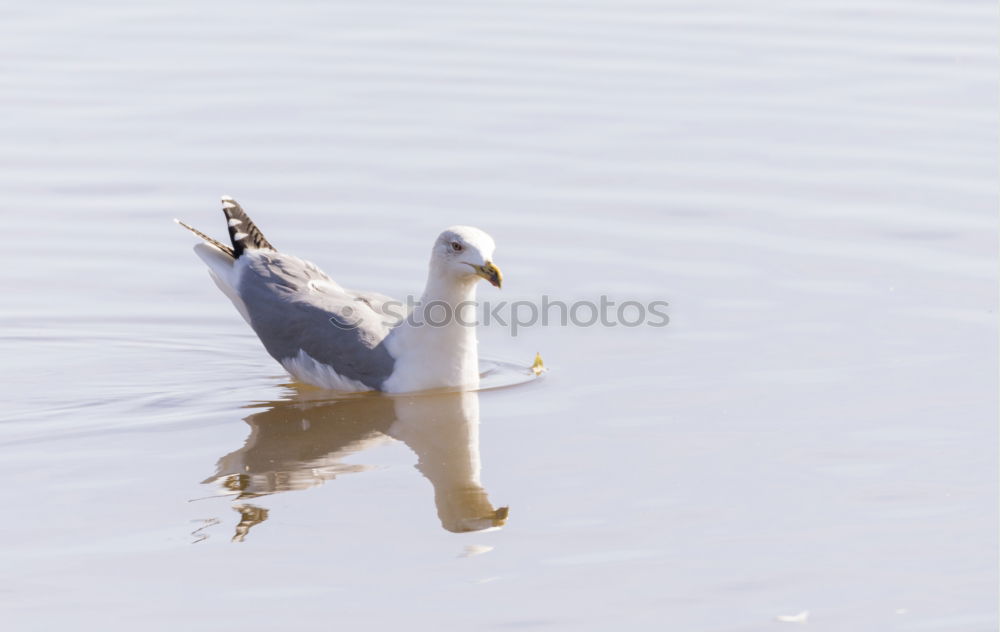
point(321, 333)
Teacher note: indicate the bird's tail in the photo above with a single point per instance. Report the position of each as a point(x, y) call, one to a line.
point(213, 242)
point(221, 259)
point(242, 231)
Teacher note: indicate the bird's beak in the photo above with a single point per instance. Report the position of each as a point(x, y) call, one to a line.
point(490, 272)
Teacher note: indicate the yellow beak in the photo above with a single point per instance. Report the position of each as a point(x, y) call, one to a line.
point(490, 272)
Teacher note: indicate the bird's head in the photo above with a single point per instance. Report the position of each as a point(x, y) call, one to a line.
point(466, 253)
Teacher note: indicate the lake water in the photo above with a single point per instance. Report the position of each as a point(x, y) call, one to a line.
point(812, 186)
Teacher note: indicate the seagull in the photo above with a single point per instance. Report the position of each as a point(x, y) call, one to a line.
point(349, 340)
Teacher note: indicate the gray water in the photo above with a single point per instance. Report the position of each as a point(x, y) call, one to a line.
point(810, 185)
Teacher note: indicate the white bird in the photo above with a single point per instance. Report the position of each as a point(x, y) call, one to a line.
point(346, 340)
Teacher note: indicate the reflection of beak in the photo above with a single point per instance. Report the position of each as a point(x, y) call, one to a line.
point(490, 272)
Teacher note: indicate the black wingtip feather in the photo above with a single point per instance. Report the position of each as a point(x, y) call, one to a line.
point(242, 231)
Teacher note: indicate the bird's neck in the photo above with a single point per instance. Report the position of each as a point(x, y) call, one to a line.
point(435, 347)
point(457, 294)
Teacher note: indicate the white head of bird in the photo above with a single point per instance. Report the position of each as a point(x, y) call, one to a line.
point(464, 254)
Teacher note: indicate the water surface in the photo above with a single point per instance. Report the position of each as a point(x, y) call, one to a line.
point(811, 186)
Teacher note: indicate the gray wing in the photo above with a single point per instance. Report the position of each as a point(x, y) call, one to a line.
point(293, 306)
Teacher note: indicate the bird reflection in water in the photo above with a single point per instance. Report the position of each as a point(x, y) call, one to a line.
point(299, 442)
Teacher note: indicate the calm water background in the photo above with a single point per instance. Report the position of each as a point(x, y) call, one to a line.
point(811, 185)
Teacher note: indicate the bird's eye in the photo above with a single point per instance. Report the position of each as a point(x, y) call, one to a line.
point(456, 247)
